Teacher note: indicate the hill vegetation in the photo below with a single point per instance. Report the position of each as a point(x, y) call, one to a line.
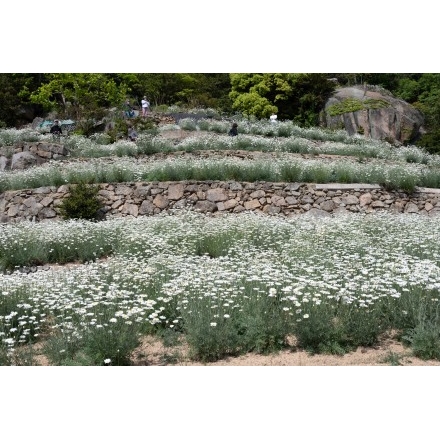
point(222, 285)
point(298, 97)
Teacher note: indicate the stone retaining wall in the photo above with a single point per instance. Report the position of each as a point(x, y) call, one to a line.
point(151, 198)
point(28, 154)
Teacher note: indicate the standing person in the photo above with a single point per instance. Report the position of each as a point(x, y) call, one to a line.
point(145, 107)
point(234, 130)
point(56, 129)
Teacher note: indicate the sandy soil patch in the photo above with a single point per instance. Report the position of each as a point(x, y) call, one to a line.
point(152, 352)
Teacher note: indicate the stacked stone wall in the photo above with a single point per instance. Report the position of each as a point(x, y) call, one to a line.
point(29, 154)
point(286, 199)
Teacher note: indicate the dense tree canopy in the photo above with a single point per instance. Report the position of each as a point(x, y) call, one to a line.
point(295, 96)
point(15, 89)
point(79, 94)
point(192, 89)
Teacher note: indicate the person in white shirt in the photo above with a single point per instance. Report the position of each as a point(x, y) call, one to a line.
point(145, 106)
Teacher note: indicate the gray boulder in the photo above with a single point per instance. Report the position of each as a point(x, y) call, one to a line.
point(23, 160)
point(373, 112)
point(4, 163)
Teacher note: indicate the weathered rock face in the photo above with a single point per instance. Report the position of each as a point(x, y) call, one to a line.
point(215, 198)
point(373, 112)
point(30, 154)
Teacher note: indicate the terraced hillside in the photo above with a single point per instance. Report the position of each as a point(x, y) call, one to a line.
point(224, 250)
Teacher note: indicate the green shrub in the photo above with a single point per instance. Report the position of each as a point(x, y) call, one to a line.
point(392, 358)
point(188, 124)
point(291, 172)
point(318, 331)
point(62, 347)
point(425, 340)
point(81, 203)
point(363, 326)
point(263, 325)
point(113, 344)
point(212, 245)
point(93, 346)
point(209, 338)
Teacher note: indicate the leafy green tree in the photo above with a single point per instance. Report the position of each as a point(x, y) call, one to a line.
point(160, 88)
point(296, 96)
point(79, 95)
point(192, 89)
point(310, 92)
point(249, 94)
point(428, 101)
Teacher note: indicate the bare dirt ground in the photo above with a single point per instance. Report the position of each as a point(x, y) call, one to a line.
point(152, 352)
point(389, 351)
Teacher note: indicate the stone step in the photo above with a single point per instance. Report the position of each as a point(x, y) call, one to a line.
point(428, 190)
point(346, 186)
point(361, 186)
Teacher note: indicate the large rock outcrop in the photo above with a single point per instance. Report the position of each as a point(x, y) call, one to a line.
point(373, 112)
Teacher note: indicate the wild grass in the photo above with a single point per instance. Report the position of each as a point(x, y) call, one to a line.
point(253, 135)
point(280, 168)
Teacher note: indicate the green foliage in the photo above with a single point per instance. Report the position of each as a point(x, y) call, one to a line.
point(213, 245)
point(317, 331)
point(14, 97)
point(291, 172)
point(82, 96)
point(431, 141)
point(296, 96)
point(346, 106)
point(423, 92)
point(93, 345)
point(392, 358)
point(263, 325)
point(209, 338)
point(425, 340)
point(349, 105)
point(363, 325)
point(375, 103)
point(81, 203)
point(400, 178)
point(188, 89)
point(4, 358)
point(61, 347)
point(115, 344)
point(430, 179)
point(22, 356)
point(188, 124)
point(254, 104)
point(337, 328)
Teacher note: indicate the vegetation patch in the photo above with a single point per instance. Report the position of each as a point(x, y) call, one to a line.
point(350, 105)
point(270, 279)
point(81, 203)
